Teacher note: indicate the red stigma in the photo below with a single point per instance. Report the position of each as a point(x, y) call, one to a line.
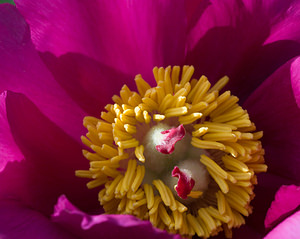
point(185, 183)
point(171, 137)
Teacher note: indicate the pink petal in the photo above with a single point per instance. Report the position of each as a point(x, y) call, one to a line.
point(295, 75)
point(230, 39)
point(90, 84)
point(131, 36)
point(108, 226)
point(18, 221)
point(278, 18)
point(9, 151)
point(22, 70)
point(274, 110)
point(289, 228)
point(286, 200)
point(284, 20)
point(51, 158)
point(194, 10)
point(265, 190)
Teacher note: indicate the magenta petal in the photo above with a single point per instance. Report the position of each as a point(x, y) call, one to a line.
point(90, 84)
point(220, 44)
point(51, 158)
point(108, 226)
point(295, 76)
point(9, 151)
point(18, 221)
point(288, 229)
point(132, 36)
point(286, 200)
point(284, 19)
point(22, 71)
point(274, 110)
point(265, 190)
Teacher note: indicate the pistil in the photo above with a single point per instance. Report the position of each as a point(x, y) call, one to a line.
point(171, 137)
point(185, 182)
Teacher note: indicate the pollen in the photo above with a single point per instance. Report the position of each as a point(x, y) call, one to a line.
point(182, 154)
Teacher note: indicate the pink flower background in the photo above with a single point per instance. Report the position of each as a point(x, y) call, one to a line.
point(63, 59)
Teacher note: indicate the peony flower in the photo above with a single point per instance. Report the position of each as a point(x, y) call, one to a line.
point(62, 61)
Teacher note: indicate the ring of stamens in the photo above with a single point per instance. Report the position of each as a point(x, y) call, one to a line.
point(216, 124)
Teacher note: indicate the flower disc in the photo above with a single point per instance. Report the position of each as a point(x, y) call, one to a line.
point(181, 154)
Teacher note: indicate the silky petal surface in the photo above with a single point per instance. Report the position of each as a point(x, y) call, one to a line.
point(295, 75)
point(17, 221)
point(51, 158)
point(230, 38)
point(125, 35)
point(289, 228)
point(265, 190)
point(108, 226)
point(274, 110)
point(286, 200)
point(23, 71)
point(9, 151)
point(90, 84)
point(284, 20)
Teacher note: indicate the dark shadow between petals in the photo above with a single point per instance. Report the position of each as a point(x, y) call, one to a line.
point(51, 158)
point(226, 51)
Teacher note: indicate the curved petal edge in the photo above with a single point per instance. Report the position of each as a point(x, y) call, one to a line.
point(9, 151)
point(286, 200)
point(109, 226)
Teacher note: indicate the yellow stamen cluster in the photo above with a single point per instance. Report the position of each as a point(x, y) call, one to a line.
point(216, 124)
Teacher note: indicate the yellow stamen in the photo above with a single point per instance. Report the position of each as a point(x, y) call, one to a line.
point(142, 85)
point(156, 203)
point(139, 153)
point(162, 191)
point(137, 179)
point(140, 172)
point(176, 111)
point(199, 132)
point(220, 84)
point(83, 174)
point(195, 225)
point(126, 144)
point(210, 223)
point(149, 195)
point(129, 175)
point(188, 119)
point(178, 219)
point(204, 144)
point(195, 194)
point(219, 180)
point(208, 162)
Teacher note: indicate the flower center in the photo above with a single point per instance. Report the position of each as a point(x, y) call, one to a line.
point(167, 163)
point(180, 154)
